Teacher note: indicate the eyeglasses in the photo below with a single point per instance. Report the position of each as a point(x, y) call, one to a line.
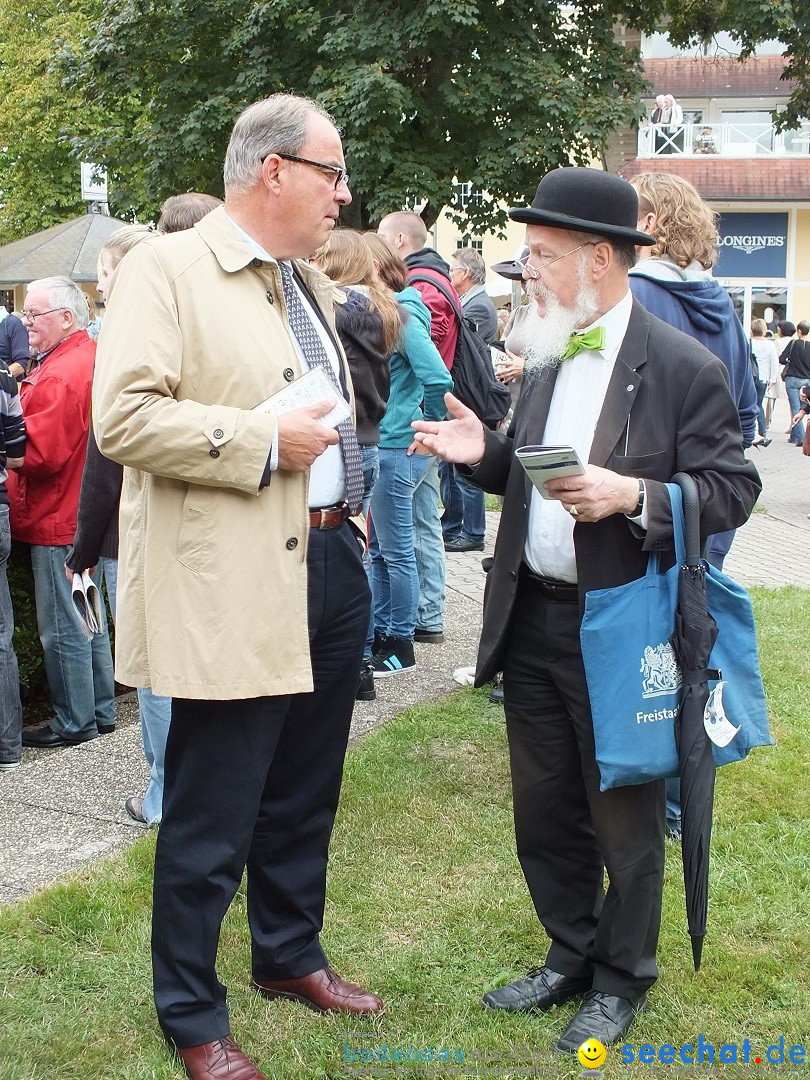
point(534, 271)
point(341, 176)
point(32, 316)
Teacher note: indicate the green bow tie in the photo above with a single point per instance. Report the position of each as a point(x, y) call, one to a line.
point(593, 339)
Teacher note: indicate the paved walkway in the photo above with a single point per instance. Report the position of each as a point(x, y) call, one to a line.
point(63, 808)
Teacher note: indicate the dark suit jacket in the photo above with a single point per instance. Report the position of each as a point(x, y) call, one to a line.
point(667, 410)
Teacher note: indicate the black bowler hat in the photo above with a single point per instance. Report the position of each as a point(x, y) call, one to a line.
point(585, 200)
point(511, 268)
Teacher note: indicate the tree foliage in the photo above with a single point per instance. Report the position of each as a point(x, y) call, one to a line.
point(45, 124)
point(427, 92)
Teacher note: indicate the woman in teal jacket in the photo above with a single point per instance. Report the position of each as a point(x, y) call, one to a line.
point(419, 381)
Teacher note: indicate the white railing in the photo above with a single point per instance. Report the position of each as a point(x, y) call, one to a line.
point(723, 140)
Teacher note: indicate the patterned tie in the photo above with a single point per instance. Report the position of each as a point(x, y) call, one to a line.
point(311, 345)
point(593, 339)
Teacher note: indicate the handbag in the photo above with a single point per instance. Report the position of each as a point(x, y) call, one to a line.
point(783, 374)
point(633, 679)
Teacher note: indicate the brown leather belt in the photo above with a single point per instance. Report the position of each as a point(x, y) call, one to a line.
point(565, 592)
point(329, 517)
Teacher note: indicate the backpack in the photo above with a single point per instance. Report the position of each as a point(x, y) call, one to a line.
point(474, 382)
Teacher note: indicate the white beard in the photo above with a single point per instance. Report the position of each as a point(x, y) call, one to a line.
point(549, 333)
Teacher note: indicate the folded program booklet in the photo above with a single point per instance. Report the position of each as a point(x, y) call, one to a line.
point(547, 463)
point(309, 389)
point(87, 604)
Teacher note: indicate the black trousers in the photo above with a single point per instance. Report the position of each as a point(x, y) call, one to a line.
point(256, 783)
point(567, 831)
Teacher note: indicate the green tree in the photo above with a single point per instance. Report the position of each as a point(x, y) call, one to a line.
point(44, 125)
point(427, 91)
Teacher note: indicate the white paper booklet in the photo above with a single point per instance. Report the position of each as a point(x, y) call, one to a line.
point(87, 604)
point(547, 463)
point(313, 386)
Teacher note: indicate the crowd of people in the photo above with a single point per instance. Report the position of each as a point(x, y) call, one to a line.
point(332, 539)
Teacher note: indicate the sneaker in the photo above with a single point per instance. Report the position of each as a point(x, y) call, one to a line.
point(396, 657)
point(428, 637)
point(134, 807)
point(365, 686)
point(7, 766)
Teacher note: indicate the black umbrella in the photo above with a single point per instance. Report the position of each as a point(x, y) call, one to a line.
point(694, 636)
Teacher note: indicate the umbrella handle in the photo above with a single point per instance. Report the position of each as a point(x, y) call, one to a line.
point(691, 514)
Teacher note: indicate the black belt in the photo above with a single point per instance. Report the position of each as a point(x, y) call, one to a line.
point(565, 592)
point(329, 517)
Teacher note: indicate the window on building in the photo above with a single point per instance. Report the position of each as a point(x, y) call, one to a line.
point(465, 196)
point(470, 242)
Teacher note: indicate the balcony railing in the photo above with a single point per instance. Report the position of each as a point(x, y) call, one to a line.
point(723, 140)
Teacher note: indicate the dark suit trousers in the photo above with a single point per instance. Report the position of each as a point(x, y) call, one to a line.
point(256, 783)
point(567, 831)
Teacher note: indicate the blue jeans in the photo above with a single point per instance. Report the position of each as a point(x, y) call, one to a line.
point(394, 576)
point(463, 506)
point(429, 549)
point(792, 385)
point(80, 672)
point(109, 570)
point(156, 714)
point(762, 426)
point(10, 709)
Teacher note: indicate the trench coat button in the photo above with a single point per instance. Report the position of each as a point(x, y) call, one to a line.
point(214, 453)
point(270, 298)
point(218, 433)
point(288, 374)
point(292, 543)
point(630, 387)
point(258, 262)
point(513, 575)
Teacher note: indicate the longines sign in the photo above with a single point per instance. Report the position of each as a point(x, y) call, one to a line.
point(752, 245)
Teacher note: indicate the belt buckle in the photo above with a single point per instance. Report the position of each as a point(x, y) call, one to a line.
point(324, 518)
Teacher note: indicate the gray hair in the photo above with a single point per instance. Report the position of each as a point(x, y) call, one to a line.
point(470, 260)
point(275, 125)
point(65, 294)
point(623, 250)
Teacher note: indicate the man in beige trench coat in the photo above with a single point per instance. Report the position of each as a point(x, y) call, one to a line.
point(242, 593)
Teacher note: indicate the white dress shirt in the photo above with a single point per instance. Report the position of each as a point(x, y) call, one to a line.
point(579, 394)
point(327, 478)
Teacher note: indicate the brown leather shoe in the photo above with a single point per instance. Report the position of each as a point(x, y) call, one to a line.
point(219, 1060)
point(323, 991)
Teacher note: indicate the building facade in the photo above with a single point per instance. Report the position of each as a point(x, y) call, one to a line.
point(755, 177)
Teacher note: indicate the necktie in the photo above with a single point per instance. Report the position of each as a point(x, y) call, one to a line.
point(593, 339)
point(311, 345)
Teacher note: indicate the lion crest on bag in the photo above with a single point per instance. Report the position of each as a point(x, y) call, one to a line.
point(659, 670)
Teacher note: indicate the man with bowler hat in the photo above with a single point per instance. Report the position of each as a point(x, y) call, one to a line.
point(639, 401)
point(242, 593)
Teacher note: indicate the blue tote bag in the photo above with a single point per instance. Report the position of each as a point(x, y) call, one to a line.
point(634, 683)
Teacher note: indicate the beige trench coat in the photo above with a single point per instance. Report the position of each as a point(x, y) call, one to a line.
point(212, 586)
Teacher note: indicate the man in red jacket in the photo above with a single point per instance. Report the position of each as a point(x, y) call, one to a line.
point(43, 498)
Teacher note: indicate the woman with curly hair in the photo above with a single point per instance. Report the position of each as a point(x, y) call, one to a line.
point(673, 280)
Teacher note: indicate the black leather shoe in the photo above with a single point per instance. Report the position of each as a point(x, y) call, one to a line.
point(44, 736)
point(536, 992)
point(365, 684)
point(601, 1016)
point(105, 729)
point(460, 543)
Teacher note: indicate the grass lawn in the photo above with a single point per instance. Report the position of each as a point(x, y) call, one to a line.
point(427, 906)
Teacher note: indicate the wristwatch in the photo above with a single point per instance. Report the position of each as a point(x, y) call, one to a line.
point(642, 491)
